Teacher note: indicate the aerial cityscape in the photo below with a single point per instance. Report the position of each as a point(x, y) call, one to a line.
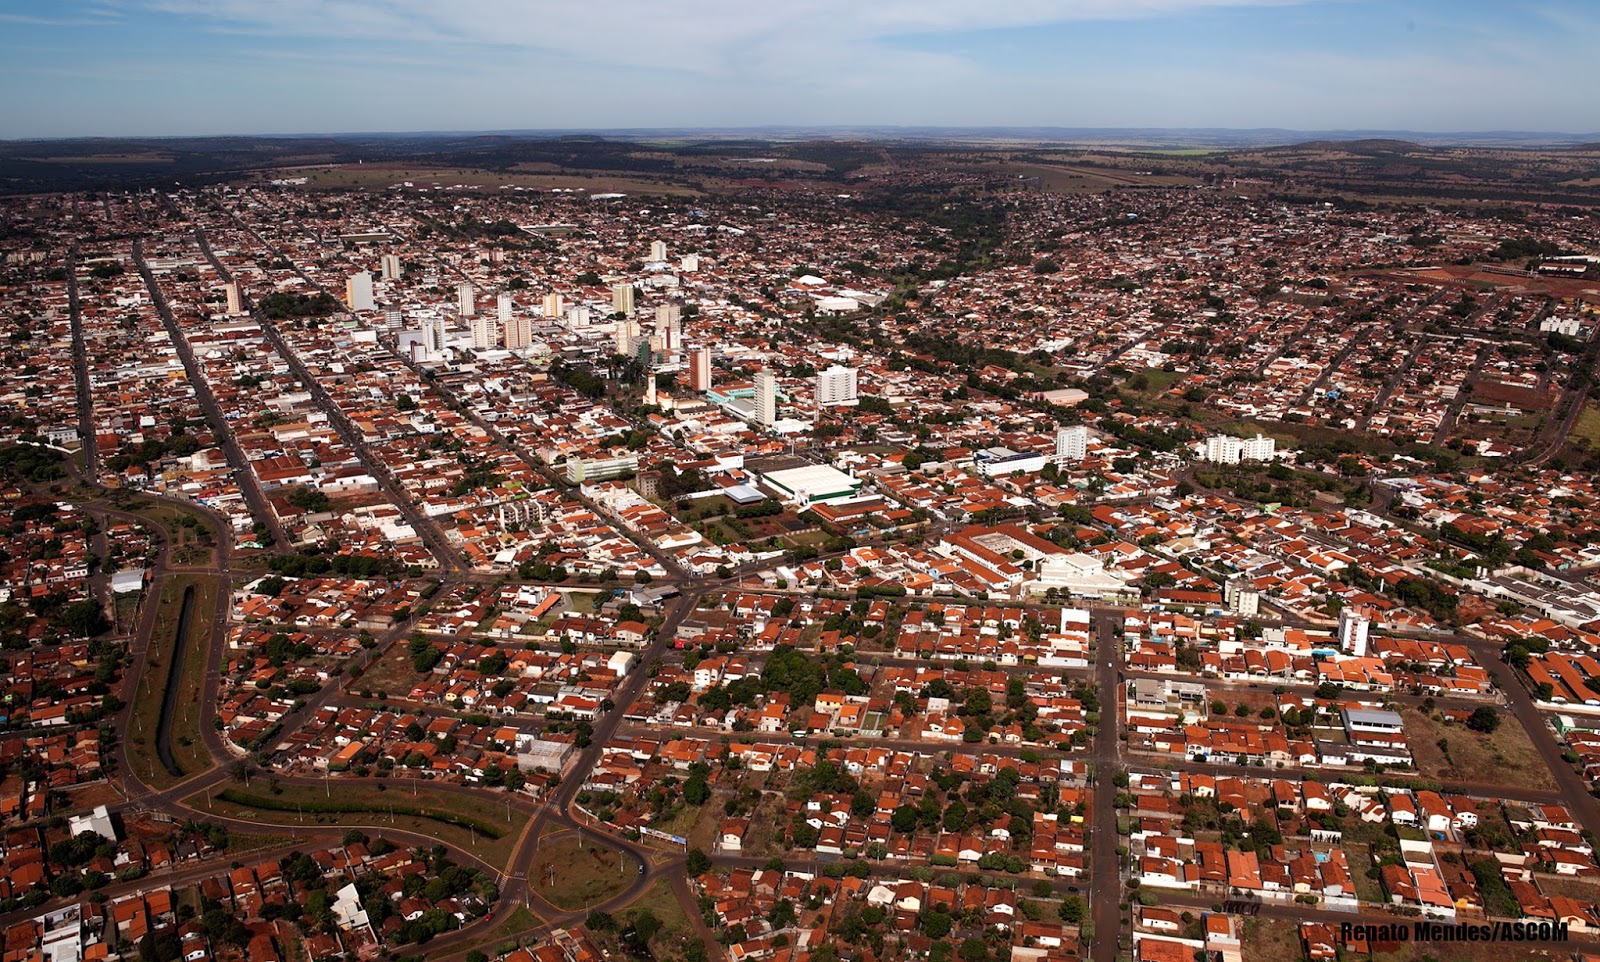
point(891, 537)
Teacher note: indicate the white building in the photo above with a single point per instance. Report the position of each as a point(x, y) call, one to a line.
point(1072, 443)
point(1226, 449)
point(1258, 448)
point(1353, 628)
point(432, 336)
point(766, 399)
point(504, 306)
point(391, 267)
point(358, 292)
point(1561, 325)
point(231, 290)
point(1242, 598)
point(658, 250)
point(836, 386)
point(467, 299)
point(578, 317)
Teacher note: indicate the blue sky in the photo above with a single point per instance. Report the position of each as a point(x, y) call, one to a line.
point(178, 67)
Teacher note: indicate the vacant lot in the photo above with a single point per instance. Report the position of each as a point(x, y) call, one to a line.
point(1505, 757)
point(574, 872)
point(1587, 427)
point(676, 930)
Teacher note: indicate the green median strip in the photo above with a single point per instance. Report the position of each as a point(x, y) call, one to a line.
point(332, 807)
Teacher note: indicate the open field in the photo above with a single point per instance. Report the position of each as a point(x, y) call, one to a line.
point(1506, 756)
point(1587, 427)
point(1272, 940)
point(676, 929)
point(447, 817)
point(392, 674)
point(575, 873)
point(188, 747)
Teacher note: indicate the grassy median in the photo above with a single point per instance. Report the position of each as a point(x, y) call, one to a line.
point(476, 824)
point(188, 748)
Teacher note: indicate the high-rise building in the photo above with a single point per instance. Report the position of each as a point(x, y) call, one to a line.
point(393, 319)
point(624, 342)
point(1258, 448)
point(235, 302)
point(518, 332)
point(1222, 449)
point(836, 386)
point(669, 324)
point(467, 299)
point(766, 399)
point(1242, 597)
point(358, 292)
point(433, 336)
point(391, 267)
point(578, 316)
point(485, 333)
point(1353, 627)
point(700, 370)
point(690, 263)
point(658, 250)
point(622, 297)
point(1226, 449)
point(1072, 443)
point(554, 304)
point(503, 306)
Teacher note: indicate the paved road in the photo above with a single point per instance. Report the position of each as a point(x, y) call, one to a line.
point(80, 371)
point(433, 536)
point(244, 475)
point(1105, 867)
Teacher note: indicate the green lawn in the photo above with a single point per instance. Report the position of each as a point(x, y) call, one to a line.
point(1587, 427)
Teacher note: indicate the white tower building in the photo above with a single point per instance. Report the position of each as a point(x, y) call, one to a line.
point(836, 386)
point(1072, 443)
point(358, 292)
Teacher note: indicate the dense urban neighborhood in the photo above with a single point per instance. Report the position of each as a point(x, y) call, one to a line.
point(915, 563)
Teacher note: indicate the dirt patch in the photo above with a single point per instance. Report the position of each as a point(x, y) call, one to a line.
point(1506, 757)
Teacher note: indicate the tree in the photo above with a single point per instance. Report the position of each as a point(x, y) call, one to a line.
point(1484, 719)
point(1073, 910)
point(955, 816)
point(973, 950)
point(904, 819)
point(698, 863)
point(645, 925)
point(695, 790)
point(84, 619)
